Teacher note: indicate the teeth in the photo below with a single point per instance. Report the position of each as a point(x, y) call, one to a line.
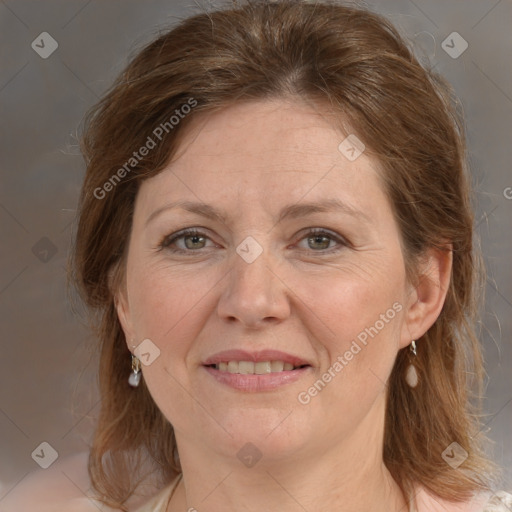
point(262, 367)
point(277, 366)
point(245, 367)
point(251, 368)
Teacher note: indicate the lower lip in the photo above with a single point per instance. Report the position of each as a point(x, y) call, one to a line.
point(256, 383)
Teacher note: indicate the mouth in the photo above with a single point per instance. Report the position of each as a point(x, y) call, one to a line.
point(256, 382)
point(261, 371)
point(255, 368)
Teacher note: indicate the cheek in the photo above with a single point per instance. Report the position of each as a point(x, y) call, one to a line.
point(355, 318)
point(165, 299)
point(167, 307)
point(365, 318)
point(348, 299)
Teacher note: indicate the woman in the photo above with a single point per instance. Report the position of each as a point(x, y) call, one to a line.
point(275, 232)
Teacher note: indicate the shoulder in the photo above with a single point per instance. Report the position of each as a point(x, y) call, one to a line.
point(499, 502)
point(483, 502)
point(65, 485)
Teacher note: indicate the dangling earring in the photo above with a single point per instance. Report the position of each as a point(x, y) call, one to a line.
point(411, 375)
point(134, 378)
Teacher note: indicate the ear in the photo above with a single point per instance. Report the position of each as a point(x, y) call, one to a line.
point(122, 306)
point(123, 313)
point(426, 299)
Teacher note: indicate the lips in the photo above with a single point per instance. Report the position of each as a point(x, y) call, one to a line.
point(255, 357)
point(266, 370)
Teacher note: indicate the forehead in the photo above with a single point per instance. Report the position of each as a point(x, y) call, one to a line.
point(272, 130)
point(265, 151)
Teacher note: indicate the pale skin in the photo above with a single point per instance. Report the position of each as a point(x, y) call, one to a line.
point(250, 161)
point(300, 296)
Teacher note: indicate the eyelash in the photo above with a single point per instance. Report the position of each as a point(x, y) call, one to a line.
point(170, 239)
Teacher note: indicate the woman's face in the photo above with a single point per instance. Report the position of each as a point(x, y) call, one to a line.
point(273, 269)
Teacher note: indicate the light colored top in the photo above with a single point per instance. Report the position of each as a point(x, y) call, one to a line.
point(160, 502)
point(424, 502)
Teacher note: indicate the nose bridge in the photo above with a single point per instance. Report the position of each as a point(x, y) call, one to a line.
point(253, 293)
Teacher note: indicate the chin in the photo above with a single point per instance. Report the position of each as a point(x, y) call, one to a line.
point(272, 434)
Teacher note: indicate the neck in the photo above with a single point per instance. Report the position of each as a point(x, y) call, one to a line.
point(312, 490)
point(348, 476)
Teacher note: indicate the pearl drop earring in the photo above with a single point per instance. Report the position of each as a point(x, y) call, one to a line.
point(134, 379)
point(411, 375)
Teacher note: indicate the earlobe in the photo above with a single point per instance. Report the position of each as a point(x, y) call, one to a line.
point(429, 294)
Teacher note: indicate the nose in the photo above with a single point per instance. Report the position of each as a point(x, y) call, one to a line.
point(254, 294)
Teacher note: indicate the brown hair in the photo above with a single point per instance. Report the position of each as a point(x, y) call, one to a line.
point(357, 64)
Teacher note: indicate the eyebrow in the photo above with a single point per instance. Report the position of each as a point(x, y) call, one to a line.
point(291, 211)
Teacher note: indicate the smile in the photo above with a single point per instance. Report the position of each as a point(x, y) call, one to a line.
point(252, 368)
point(252, 382)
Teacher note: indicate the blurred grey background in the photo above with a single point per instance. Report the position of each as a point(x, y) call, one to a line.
point(57, 59)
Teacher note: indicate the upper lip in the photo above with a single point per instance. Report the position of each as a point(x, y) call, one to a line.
point(262, 355)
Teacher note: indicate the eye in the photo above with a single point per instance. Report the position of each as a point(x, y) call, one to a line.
point(193, 240)
point(319, 240)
